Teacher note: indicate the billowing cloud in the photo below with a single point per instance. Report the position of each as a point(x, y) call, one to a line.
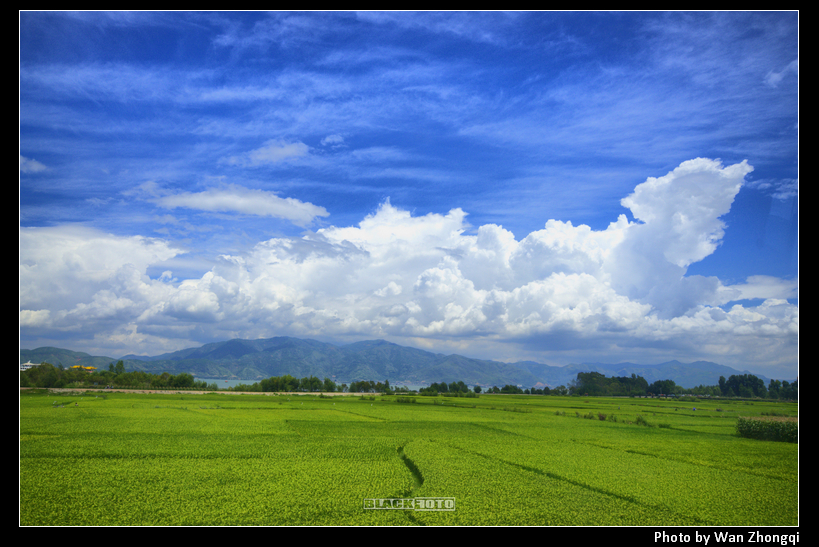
point(73, 277)
point(684, 207)
point(431, 277)
point(679, 224)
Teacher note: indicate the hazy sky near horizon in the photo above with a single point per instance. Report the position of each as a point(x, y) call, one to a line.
point(558, 187)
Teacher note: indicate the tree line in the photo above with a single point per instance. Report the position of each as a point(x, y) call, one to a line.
point(587, 383)
point(313, 384)
point(47, 375)
point(737, 385)
point(748, 385)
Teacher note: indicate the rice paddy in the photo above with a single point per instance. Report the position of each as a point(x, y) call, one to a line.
point(93, 458)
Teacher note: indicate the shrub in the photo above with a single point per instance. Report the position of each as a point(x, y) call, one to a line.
point(783, 430)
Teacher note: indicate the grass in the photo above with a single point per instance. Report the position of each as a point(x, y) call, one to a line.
point(220, 459)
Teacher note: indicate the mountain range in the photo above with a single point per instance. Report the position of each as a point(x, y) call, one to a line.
point(376, 360)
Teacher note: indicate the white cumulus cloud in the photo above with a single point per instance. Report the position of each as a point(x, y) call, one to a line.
point(413, 277)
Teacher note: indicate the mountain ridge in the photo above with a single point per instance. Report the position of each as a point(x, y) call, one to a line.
point(377, 360)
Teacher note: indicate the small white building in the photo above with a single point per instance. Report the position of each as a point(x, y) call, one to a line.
point(26, 366)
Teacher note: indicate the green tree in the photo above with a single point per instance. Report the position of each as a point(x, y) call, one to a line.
point(458, 387)
point(44, 375)
point(329, 385)
point(663, 387)
point(181, 380)
point(161, 381)
point(789, 390)
point(774, 386)
point(745, 385)
point(590, 383)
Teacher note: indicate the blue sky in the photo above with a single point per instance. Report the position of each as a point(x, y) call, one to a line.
point(560, 187)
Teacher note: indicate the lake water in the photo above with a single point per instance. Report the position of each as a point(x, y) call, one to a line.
point(224, 384)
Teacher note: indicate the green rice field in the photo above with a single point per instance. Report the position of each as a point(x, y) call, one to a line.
point(103, 458)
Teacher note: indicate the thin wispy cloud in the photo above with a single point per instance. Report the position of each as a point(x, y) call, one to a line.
point(236, 199)
point(773, 78)
point(271, 152)
point(28, 165)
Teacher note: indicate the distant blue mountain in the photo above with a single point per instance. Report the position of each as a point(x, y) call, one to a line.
point(375, 360)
